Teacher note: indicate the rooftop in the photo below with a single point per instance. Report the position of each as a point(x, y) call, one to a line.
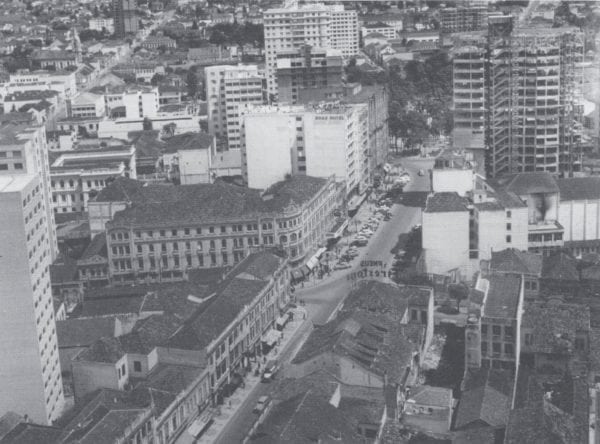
point(445, 203)
point(160, 205)
point(579, 188)
point(486, 398)
point(502, 300)
point(30, 95)
point(515, 261)
point(530, 183)
point(84, 332)
point(188, 141)
point(560, 266)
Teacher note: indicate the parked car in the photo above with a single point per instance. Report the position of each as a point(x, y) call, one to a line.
point(261, 405)
point(342, 266)
point(270, 370)
point(361, 242)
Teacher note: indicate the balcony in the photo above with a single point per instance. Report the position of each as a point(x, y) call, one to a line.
point(547, 234)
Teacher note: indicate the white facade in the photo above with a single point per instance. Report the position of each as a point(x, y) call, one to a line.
point(31, 381)
point(445, 241)
point(499, 229)
point(458, 180)
point(195, 166)
point(316, 25)
point(87, 105)
point(140, 103)
point(64, 82)
point(228, 87)
point(120, 128)
point(276, 135)
point(318, 141)
point(580, 219)
point(387, 31)
point(97, 24)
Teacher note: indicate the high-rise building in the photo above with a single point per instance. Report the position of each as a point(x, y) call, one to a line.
point(307, 68)
point(31, 382)
point(316, 140)
point(227, 88)
point(294, 26)
point(465, 17)
point(126, 18)
point(531, 101)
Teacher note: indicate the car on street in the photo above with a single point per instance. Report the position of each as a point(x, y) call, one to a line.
point(360, 241)
point(271, 368)
point(342, 266)
point(261, 405)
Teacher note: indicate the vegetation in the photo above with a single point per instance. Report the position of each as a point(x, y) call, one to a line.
point(192, 82)
point(421, 99)
point(236, 34)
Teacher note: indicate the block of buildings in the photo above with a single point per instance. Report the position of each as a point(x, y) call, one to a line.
point(464, 18)
point(126, 20)
point(188, 158)
point(178, 228)
point(317, 140)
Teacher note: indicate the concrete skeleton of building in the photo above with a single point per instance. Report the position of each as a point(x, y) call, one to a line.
point(307, 68)
point(318, 140)
point(536, 74)
point(31, 379)
point(317, 25)
point(227, 89)
point(467, 17)
point(159, 233)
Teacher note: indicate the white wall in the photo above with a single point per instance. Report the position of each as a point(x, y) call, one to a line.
point(194, 166)
point(448, 180)
point(493, 229)
point(269, 140)
point(580, 219)
point(445, 241)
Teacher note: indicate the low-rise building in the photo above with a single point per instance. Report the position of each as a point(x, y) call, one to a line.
point(389, 32)
point(86, 105)
point(57, 60)
point(16, 101)
point(159, 41)
point(140, 71)
point(102, 24)
point(158, 232)
point(79, 174)
point(428, 409)
point(188, 158)
point(64, 82)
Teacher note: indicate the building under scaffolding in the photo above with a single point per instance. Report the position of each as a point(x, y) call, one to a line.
point(531, 100)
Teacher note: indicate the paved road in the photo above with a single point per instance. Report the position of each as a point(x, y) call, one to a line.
point(323, 300)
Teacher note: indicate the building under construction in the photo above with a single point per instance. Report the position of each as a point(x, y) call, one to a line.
point(531, 100)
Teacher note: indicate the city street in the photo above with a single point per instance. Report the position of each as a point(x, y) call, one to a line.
point(324, 297)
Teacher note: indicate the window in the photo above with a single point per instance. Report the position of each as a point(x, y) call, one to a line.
point(496, 330)
point(484, 347)
point(3, 167)
point(508, 239)
point(484, 330)
point(496, 347)
point(18, 166)
point(508, 331)
point(123, 370)
point(508, 227)
point(508, 214)
point(223, 228)
point(528, 339)
point(508, 349)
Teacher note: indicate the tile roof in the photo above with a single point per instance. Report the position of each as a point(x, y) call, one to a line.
point(431, 396)
point(486, 398)
point(64, 269)
point(530, 183)
point(9, 421)
point(529, 424)
point(109, 306)
point(167, 205)
point(389, 299)
point(27, 433)
point(512, 260)
point(560, 266)
point(554, 326)
point(188, 141)
point(84, 332)
point(108, 350)
point(579, 188)
point(445, 202)
point(479, 435)
point(375, 342)
point(502, 300)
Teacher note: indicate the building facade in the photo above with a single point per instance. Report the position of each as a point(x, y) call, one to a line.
point(316, 140)
point(32, 382)
point(226, 224)
point(307, 67)
point(228, 88)
point(293, 26)
point(126, 20)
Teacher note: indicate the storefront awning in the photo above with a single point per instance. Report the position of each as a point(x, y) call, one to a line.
point(271, 337)
point(320, 252)
point(312, 262)
point(200, 424)
point(282, 320)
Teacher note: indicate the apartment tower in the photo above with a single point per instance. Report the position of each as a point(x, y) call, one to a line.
point(30, 382)
point(293, 26)
point(126, 19)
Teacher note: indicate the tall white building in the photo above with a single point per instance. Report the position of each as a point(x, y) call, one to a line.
point(228, 87)
point(316, 140)
point(293, 26)
point(30, 373)
point(141, 102)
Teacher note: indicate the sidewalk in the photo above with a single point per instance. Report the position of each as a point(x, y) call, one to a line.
point(232, 404)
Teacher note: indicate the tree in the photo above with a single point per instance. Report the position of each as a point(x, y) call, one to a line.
point(195, 25)
point(147, 124)
point(458, 292)
point(192, 83)
point(156, 79)
point(169, 129)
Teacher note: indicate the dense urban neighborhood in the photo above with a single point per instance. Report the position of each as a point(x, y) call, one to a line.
point(299, 221)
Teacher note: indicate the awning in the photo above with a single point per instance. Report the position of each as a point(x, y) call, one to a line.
point(200, 424)
point(312, 262)
point(320, 251)
point(282, 320)
point(271, 337)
